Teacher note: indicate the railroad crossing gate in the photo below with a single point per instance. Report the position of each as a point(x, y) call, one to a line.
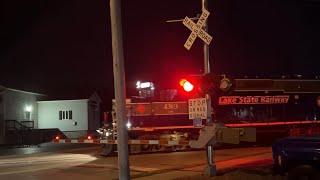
point(197, 29)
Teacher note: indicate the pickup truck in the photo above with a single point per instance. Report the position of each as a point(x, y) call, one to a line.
point(298, 157)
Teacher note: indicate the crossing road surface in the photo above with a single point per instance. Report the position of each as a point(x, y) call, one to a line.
point(85, 163)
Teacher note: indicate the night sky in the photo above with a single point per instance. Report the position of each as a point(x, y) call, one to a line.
point(63, 48)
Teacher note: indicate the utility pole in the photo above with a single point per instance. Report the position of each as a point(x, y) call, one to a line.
point(120, 89)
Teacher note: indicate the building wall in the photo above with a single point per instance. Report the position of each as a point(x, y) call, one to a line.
point(15, 105)
point(51, 115)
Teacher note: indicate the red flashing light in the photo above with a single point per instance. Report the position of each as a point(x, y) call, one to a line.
point(57, 137)
point(89, 137)
point(187, 86)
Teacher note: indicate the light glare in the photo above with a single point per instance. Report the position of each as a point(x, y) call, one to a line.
point(187, 86)
point(128, 125)
point(28, 108)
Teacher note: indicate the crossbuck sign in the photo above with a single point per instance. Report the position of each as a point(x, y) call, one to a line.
point(197, 29)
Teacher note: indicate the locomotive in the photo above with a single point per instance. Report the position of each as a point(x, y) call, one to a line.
point(276, 107)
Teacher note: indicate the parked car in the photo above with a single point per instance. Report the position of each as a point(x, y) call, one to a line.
point(298, 157)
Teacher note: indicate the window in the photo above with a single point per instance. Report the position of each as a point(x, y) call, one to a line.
point(70, 114)
point(60, 115)
point(63, 115)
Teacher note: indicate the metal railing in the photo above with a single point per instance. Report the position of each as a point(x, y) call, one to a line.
point(28, 124)
point(18, 125)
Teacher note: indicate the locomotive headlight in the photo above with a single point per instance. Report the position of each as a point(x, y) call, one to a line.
point(128, 124)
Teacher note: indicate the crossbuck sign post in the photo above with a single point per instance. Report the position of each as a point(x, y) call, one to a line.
point(197, 30)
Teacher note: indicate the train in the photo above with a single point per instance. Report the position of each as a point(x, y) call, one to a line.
point(275, 107)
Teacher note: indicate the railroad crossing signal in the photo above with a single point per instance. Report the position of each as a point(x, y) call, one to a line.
point(197, 29)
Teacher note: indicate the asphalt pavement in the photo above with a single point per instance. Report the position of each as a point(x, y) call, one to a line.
point(42, 148)
point(54, 161)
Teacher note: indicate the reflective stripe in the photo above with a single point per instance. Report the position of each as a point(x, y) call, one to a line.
point(154, 142)
point(88, 141)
